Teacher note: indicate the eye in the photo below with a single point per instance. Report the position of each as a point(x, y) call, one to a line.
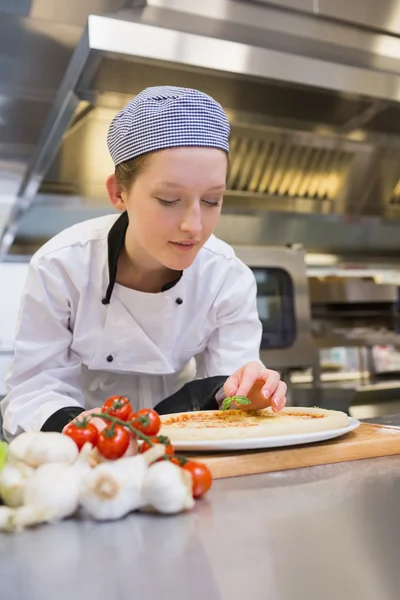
point(166, 202)
point(212, 202)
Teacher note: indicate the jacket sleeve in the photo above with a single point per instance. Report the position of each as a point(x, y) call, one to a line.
point(236, 338)
point(44, 377)
point(200, 394)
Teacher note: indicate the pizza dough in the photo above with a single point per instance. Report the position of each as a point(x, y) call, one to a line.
point(237, 424)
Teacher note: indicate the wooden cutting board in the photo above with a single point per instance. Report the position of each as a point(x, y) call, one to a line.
point(367, 441)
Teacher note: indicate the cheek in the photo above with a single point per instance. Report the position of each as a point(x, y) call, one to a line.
point(152, 222)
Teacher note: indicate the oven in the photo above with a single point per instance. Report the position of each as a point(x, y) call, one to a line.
point(283, 305)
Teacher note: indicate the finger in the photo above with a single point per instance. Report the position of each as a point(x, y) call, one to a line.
point(271, 384)
point(231, 385)
point(249, 376)
point(91, 411)
point(86, 413)
point(279, 397)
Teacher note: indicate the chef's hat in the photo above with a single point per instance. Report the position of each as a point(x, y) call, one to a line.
point(167, 117)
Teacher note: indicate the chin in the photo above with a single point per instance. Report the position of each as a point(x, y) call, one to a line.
point(180, 263)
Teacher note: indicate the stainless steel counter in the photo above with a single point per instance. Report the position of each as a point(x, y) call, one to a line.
point(323, 533)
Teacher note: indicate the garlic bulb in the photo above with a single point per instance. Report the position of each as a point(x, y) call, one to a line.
point(13, 478)
point(114, 488)
point(168, 488)
point(37, 449)
point(52, 492)
point(17, 448)
point(7, 515)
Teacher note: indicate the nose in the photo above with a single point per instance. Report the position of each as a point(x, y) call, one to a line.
point(191, 222)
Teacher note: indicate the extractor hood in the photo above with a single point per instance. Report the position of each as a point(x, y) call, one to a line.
point(314, 108)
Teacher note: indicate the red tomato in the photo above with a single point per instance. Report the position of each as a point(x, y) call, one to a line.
point(178, 461)
point(113, 441)
point(82, 432)
point(118, 406)
point(147, 421)
point(201, 476)
point(169, 450)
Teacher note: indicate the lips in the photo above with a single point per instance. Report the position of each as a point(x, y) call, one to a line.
point(184, 246)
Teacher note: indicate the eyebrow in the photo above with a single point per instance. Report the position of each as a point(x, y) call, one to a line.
point(170, 184)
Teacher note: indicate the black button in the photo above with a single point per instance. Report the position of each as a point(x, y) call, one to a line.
point(104, 301)
point(110, 358)
point(179, 301)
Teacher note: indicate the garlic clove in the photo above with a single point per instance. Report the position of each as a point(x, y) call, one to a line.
point(50, 494)
point(17, 447)
point(13, 479)
point(50, 447)
point(7, 516)
point(168, 488)
point(38, 448)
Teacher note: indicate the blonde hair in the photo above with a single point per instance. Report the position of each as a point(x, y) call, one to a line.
point(126, 172)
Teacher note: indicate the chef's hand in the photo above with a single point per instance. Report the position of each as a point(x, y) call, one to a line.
point(260, 385)
point(100, 424)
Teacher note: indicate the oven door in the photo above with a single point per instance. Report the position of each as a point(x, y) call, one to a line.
point(283, 305)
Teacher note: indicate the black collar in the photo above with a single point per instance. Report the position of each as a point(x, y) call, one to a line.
point(115, 240)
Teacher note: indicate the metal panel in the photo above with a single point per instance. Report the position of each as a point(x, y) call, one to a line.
point(351, 291)
point(60, 115)
point(27, 89)
point(302, 353)
point(136, 39)
point(17, 7)
point(384, 14)
point(292, 31)
point(317, 233)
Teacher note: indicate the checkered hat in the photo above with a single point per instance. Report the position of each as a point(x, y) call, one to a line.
point(166, 117)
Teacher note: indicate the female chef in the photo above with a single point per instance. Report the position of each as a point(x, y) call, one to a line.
point(147, 304)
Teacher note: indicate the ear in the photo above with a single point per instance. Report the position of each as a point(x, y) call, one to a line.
point(115, 193)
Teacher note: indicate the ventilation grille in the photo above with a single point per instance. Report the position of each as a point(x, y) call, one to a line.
point(286, 170)
point(395, 199)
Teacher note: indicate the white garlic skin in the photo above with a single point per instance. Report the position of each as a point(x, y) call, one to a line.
point(114, 488)
point(36, 449)
point(168, 488)
point(13, 479)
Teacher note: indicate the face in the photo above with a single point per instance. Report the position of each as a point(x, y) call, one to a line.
point(174, 205)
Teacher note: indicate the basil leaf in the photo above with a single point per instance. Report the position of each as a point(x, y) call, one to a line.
point(226, 403)
point(242, 400)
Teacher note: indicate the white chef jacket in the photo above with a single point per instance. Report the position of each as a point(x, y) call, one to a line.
point(73, 349)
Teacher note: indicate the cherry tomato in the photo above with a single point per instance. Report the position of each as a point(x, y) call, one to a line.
point(147, 421)
point(178, 461)
point(201, 476)
point(169, 450)
point(118, 406)
point(82, 432)
point(113, 441)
